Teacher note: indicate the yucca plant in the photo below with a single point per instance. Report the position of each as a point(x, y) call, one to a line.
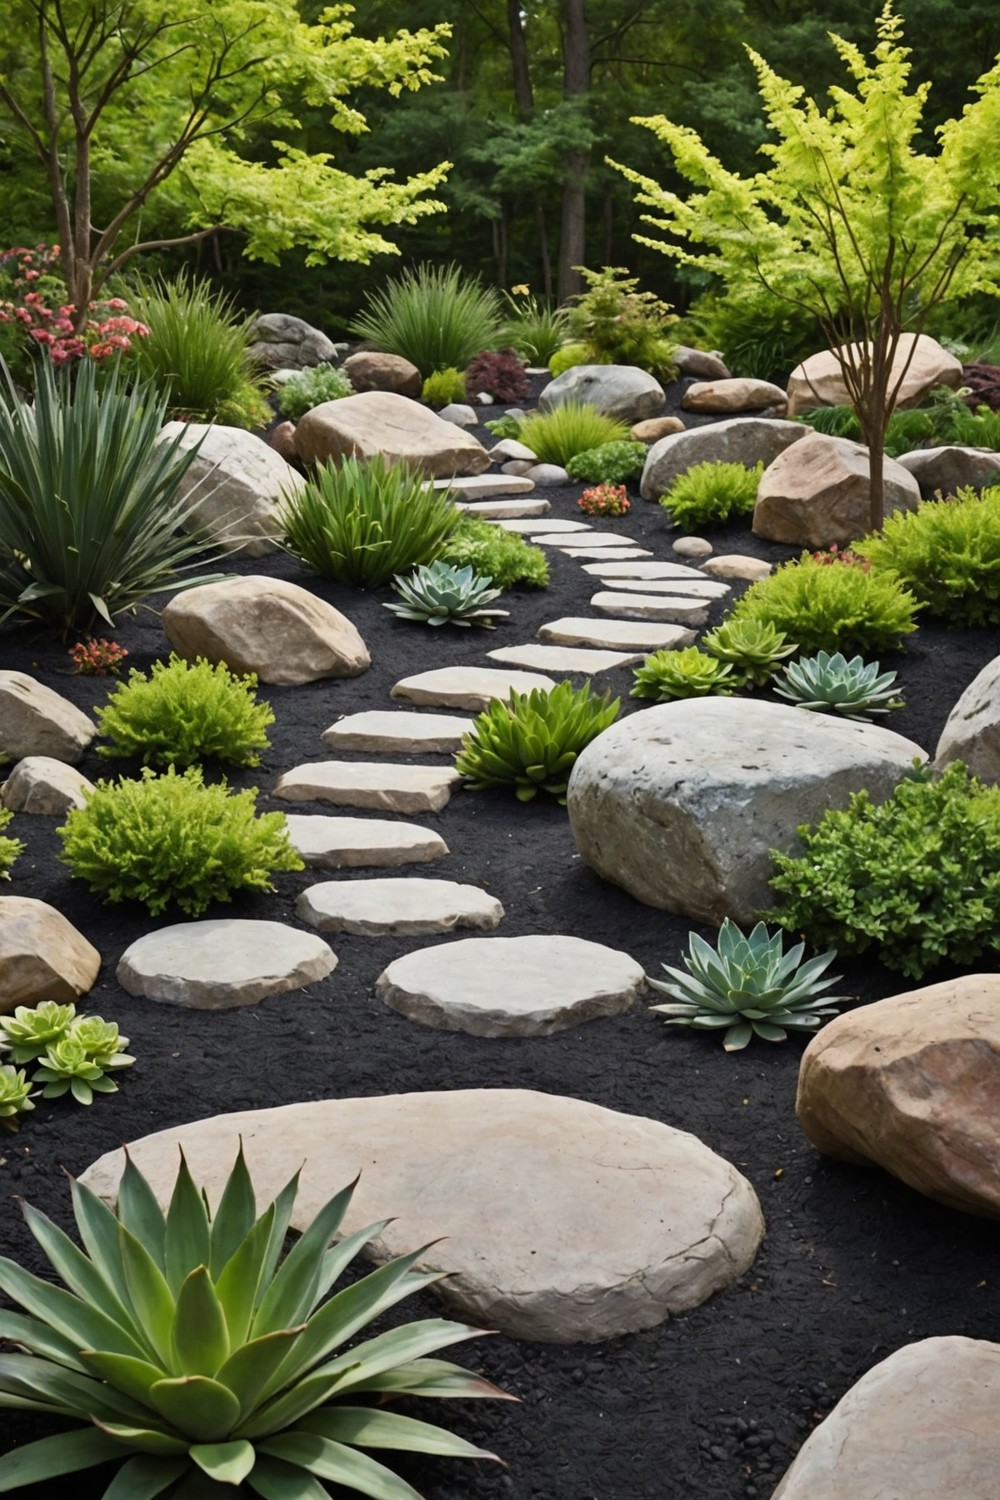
point(556, 436)
point(532, 742)
point(189, 1352)
point(682, 673)
point(830, 684)
point(90, 521)
point(434, 316)
point(440, 594)
point(749, 986)
point(754, 647)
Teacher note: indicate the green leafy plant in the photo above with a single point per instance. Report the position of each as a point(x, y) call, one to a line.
point(621, 325)
point(829, 683)
point(434, 316)
point(760, 336)
point(604, 500)
point(311, 388)
point(947, 553)
point(10, 848)
point(505, 426)
point(754, 647)
point(443, 387)
point(712, 493)
point(684, 673)
point(503, 556)
point(749, 986)
point(90, 520)
point(831, 608)
point(611, 463)
point(367, 520)
point(915, 879)
point(499, 374)
point(440, 594)
point(187, 1350)
point(72, 1054)
point(15, 1098)
point(534, 329)
point(172, 838)
point(557, 436)
point(569, 355)
point(532, 742)
point(183, 713)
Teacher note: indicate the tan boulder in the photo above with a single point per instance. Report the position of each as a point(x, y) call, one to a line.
point(952, 468)
point(36, 721)
point(402, 431)
point(818, 380)
point(654, 428)
point(733, 395)
point(818, 492)
point(972, 731)
point(42, 956)
point(234, 486)
point(368, 370)
point(254, 624)
point(703, 364)
point(912, 1084)
point(40, 784)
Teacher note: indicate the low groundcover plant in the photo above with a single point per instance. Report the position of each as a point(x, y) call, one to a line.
point(9, 848)
point(440, 594)
point(532, 742)
point(71, 1054)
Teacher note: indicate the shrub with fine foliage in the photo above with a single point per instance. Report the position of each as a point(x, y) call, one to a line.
point(9, 848)
point(947, 553)
point(611, 463)
point(831, 608)
point(503, 556)
point(712, 493)
point(182, 714)
point(311, 388)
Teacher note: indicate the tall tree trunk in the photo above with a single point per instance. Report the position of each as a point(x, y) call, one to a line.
point(576, 85)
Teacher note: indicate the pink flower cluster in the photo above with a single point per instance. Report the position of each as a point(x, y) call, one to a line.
point(604, 500)
point(106, 331)
point(96, 658)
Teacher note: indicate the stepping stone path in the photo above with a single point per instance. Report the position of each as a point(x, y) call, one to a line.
point(346, 843)
point(473, 688)
point(546, 528)
point(408, 907)
point(385, 788)
point(218, 964)
point(592, 539)
point(564, 1221)
point(398, 731)
point(615, 634)
point(503, 510)
point(676, 609)
point(521, 986)
point(564, 658)
point(618, 569)
point(686, 588)
point(482, 486)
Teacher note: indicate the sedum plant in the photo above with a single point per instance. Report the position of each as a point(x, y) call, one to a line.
point(434, 316)
point(712, 493)
point(947, 553)
point(684, 673)
point(311, 388)
point(748, 986)
point(831, 684)
point(15, 1091)
point(440, 594)
point(754, 647)
point(443, 387)
point(188, 1351)
point(72, 1054)
point(831, 608)
point(611, 463)
point(557, 436)
point(532, 742)
point(9, 848)
point(183, 713)
point(503, 556)
point(172, 838)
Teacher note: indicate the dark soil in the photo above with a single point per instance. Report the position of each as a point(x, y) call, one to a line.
point(709, 1406)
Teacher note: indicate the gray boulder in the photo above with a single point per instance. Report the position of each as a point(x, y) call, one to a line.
point(234, 486)
point(284, 342)
point(952, 468)
point(739, 440)
point(34, 720)
point(972, 731)
point(622, 391)
point(817, 493)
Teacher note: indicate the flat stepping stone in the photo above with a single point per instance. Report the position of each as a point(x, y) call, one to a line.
point(547, 528)
point(678, 610)
point(590, 554)
point(474, 688)
point(398, 731)
point(564, 1221)
point(678, 588)
point(615, 568)
point(563, 658)
point(407, 906)
point(382, 787)
point(521, 986)
point(506, 510)
point(592, 539)
point(481, 486)
point(615, 635)
point(346, 843)
point(217, 964)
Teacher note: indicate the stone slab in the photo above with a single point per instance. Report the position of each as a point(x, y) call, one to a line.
point(506, 510)
point(594, 554)
point(615, 568)
point(473, 688)
point(546, 528)
point(736, 565)
point(221, 963)
point(482, 486)
point(404, 906)
point(676, 609)
point(615, 635)
point(592, 539)
point(399, 731)
point(347, 843)
point(678, 588)
point(382, 787)
point(563, 658)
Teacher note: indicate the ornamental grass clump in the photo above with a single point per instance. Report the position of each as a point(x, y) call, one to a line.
point(183, 713)
point(830, 684)
point(947, 553)
point(686, 672)
point(312, 387)
point(557, 436)
point(503, 556)
point(434, 316)
point(172, 838)
point(831, 608)
point(532, 742)
point(440, 594)
point(534, 329)
point(712, 493)
point(184, 1346)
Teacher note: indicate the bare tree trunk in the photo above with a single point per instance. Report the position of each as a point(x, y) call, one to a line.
point(576, 85)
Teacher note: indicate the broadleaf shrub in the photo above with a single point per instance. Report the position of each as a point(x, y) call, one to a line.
point(947, 553)
point(825, 608)
point(500, 375)
point(712, 493)
point(311, 388)
point(184, 713)
point(557, 436)
point(611, 463)
point(503, 556)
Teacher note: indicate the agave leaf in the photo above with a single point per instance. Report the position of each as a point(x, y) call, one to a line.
point(276, 1480)
point(250, 1367)
point(240, 1280)
point(144, 1477)
point(145, 1439)
point(76, 1270)
point(235, 1215)
point(769, 1032)
point(79, 1395)
point(432, 1377)
point(202, 1409)
point(187, 1236)
point(37, 1337)
point(367, 1427)
point(87, 1327)
point(343, 1465)
point(51, 1457)
point(282, 1205)
point(133, 1376)
point(397, 1346)
point(199, 1337)
point(149, 1292)
point(140, 1213)
point(339, 1256)
point(98, 1229)
point(292, 1293)
point(227, 1463)
point(737, 1037)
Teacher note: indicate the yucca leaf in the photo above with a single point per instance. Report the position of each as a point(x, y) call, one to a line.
point(140, 1213)
point(186, 1237)
point(327, 1460)
point(368, 1427)
point(144, 1476)
point(202, 1409)
point(291, 1295)
point(226, 1463)
point(87, 1327)
point(51, 1457)
point(199, 1337)
point(149, 1293)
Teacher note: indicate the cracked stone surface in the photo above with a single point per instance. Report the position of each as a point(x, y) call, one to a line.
point(564, 658)
point(346, 843)
point(564, 1221)
point(398, 730)
point(473, 688)
point(677, 609)
point(405, 906)
point(382, 787)
point(216, 964)
point(616, 635)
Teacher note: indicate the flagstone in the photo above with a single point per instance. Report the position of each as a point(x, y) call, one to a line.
point(398, 730)
point(679, 588)
point(342, 843)
point(473, 688)
point(381, 786)
point(224, 962)
point(502, 510)
point(593, 554)
point(592, 539)
point(615, 634)
point(678, 610)
point(405, 906)
point(544, 528)
point(563, 658)
point(615, 568)
point(481, 486)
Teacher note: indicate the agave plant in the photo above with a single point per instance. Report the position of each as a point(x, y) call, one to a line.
point(755, 647)
point(532, 742)
point(832, 684)
point(684, 673)
point(441, 594)
point(204, 1364)
point(749, 986)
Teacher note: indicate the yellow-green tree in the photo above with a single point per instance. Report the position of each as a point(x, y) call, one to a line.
point(851, 220)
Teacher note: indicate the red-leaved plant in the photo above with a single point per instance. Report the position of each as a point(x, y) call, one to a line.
point(97, 658)
point(604, 500)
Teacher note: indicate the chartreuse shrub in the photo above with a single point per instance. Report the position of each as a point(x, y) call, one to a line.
point(503, 556)
point(367, 520)
point(186, 1348)
point(914, 879)
point(611, 463)
point(686, 672)
point(442, 387)
point(947, 553)
point(183, 713)
point(557, 436)
point(532, 742)
point(831, 608)
point(569, 355)
point(9, 848)
point(172, 838)
point(71, 1054)
point(434, 316)
point(311, 388)
point(711, 493)
point(620, 325)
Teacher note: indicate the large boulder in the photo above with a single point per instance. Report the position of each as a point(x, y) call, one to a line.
point(622, 391)
point(732, 395)
point(818, 492)
point(370, 370)
point(920, 1425)
point(701, 364)
point(264, 625)
point(682, 803)
point(36, 721)
point(40, 784)
point(952, 468)
point(281, 342)
point(818, 380)
point(42, 956)
point(234, 486)
point(738, 440)
point(972, 730)
point(401, 430)
point(912, 1084)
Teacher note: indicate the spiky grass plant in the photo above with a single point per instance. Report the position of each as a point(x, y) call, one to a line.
point(686, 672)
point(440, 594)
point(754, 647)
point(830, 684)
point(749, 986)
point(185, 1349)
point(185, 712)
point(434, 316)
point(532, 742)
point(533, 328)
point(557, 436)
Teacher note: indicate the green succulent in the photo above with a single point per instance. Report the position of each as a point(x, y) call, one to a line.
point(79, 1062)
point(29, 1032)
point(749, 986)
point(101, 1041)
point(189, 1352)
point(754, 647)
point(532, 742)
point(830, 684)
point(684, 673)
point(441, 594)
point(14, 1096)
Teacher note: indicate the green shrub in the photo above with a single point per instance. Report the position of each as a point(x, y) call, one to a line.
point(171, 838)
point(535, 330)
point(532, 742)
point(712, 493)
point(945, 420)
point(557, 436)
point(494, 553)
point(10, 848)
point(611, 463)
point(311, 388)
point(90, 521)
point(916, 879)
point(569, 355)
point(366, 521)
point(620, 325)
point(182, 714)
point(760, 335)
point(686, 672)
point(442, 387)
point(831, 608)
point(505, 426)
point(947, 553)
point(434, 316)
